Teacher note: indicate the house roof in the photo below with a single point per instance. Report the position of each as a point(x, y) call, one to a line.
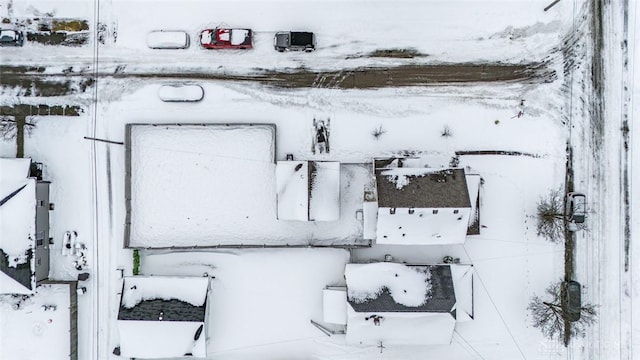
point(402, 187)
point(308, 190)
point(400, 328)
point(422, 226)
point(292, 178)
point(392, 283)
point(161, 339)
point(172, 298)
point(17, 279)
point(437, 296)
point(17, 226)
point(163, 317)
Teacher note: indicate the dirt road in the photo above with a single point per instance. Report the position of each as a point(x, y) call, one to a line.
point(43, 84)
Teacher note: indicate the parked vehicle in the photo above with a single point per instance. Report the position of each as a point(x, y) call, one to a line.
point(576, 208)
point(181, 93)
point(11, 37)
point(224, 38)
point(168, 39)
point(571, 297)
point(294, 41)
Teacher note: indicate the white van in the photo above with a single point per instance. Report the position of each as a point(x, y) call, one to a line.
point(168, 39)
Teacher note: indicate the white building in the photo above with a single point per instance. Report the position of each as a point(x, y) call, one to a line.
point(24, 227)
point(163, 317)
point(421, 206)
point(393, 303)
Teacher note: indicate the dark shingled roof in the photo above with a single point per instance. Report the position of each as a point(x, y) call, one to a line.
point(21, 273)
point(173, 310)
point(442, 297)
point(440, 189)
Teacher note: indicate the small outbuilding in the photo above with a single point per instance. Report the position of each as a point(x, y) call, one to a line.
point(163, 317)
point(308, 190)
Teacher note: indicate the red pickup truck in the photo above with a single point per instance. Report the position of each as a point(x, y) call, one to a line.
point(224, 38)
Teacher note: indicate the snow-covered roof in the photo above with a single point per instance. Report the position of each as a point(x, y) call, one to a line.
point(409, 187)
point(191, 290)
point(17, 226)
point(146, 340)
point(33, 333)
point(422, 226)
point(399, 328)
point(415, 304)
point(394, 287)
point(421, 206)
point(293, 190)
point(163, 317)
point(334, 305)
point(215, 184)
point(473, 184)
point(462, 276)
point(308, 190)
point(369, 219)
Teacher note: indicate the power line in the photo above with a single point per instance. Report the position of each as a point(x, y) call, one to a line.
point(475, 352)
point(496, 307)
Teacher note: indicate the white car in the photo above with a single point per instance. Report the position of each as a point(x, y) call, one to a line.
point(576, 208)
point(168, 39)
point(181, 93)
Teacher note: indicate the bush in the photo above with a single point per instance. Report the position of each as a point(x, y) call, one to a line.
point(136, 262)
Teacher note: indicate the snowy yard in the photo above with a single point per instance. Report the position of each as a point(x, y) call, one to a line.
point(259, 297)
point(39, 328)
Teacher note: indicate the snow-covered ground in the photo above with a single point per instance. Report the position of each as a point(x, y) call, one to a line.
point(39, 327)
point(262, 301)
point(442, 31)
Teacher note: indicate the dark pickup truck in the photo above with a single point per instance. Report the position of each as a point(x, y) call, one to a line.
point(295, 41)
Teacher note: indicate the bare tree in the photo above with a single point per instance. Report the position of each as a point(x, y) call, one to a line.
point(9, 128)
point(378, 132)
point(550, 316)
point(550, 215)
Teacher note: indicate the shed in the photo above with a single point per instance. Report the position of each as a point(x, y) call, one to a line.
point(308, 190)
point(163, 317)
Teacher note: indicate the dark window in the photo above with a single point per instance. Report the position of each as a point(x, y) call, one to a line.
point(456, 211)
point(435, 211)
point(392, 211)
point(411, 211)
point(40, 203)
point(39, 242)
